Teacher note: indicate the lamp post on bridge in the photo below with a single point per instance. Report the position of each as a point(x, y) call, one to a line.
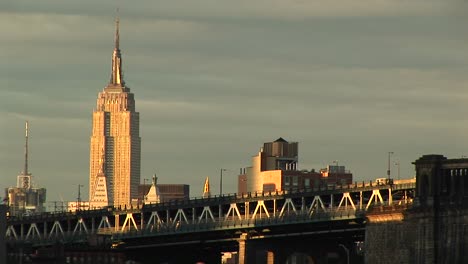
point(397, 163)
point(145, 180)
point(388, 171)
point(347, 252)
point(78, 203)
point(336, 172)
point(221, 182)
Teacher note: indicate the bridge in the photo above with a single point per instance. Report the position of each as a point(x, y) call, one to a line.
point(216, 224)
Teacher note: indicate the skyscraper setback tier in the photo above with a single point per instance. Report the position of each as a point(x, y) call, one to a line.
point(116, 137)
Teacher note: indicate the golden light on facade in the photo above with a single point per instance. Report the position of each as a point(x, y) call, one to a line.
point(115, 136)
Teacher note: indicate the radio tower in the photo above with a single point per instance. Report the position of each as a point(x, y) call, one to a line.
point(24, 179)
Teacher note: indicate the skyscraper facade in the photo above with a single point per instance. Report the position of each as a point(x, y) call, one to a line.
point(115, 141)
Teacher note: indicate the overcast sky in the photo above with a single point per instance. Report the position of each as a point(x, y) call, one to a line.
point(349, 80)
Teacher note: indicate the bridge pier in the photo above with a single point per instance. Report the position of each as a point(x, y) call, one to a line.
point(298, 250)
point(175, 254)
point(117, 222)
point(250, 251)
point(242, 255)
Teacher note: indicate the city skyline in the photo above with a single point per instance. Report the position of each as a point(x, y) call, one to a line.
point(349, 82)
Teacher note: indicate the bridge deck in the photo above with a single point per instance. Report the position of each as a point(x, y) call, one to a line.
point(227, 213)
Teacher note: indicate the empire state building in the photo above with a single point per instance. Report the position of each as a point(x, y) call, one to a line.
point(115, 141)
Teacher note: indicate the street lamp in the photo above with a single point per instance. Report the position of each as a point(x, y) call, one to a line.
point(221, 182)
point(398, 164)
point(347, 252)
point(336, 172)
point(78, 204)
point(144, 181)
point(388, 171)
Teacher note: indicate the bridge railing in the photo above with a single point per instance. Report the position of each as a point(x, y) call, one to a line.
point(230, 198)
point(339, 188)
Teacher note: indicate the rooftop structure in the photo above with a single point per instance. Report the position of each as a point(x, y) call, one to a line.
point(153, 195)
point(206, 188)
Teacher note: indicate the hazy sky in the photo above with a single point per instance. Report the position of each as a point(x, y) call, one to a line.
point(349, 80)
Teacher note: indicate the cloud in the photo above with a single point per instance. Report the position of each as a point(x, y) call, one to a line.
point(258, 9)
point(349, 80)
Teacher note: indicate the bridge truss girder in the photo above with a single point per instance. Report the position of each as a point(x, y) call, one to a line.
point(231, 212)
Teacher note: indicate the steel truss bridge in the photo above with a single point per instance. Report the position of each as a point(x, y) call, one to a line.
point(230, 213)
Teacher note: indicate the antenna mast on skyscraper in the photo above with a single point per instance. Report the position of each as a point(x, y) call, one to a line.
point(117, 34)
point(25, 172)
point(117, 74)
point(24, 179)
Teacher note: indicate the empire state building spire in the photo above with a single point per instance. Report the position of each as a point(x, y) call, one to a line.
point(116, 74)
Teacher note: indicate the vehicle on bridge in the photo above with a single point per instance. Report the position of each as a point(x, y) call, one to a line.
point(383, 181)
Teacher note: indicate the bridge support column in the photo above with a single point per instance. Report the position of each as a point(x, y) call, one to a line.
point(243, 248)
point(3, 218)
point(253, 252)
point(45, 230)
point(270, 257)
point(117, 224)
point(142, 221)
point(390, 200)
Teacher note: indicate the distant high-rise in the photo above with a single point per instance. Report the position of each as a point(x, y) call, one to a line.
point(25, 198)
point(116, 137)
